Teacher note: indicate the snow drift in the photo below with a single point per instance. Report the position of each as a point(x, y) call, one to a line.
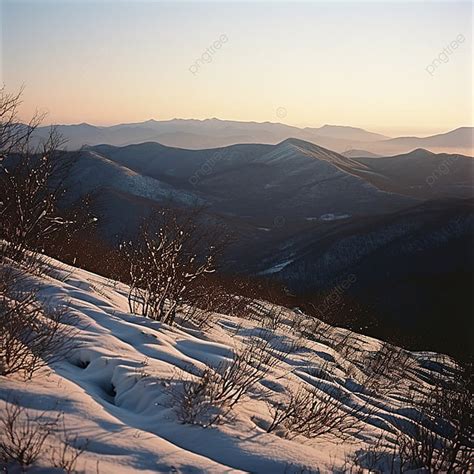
point(116, 387)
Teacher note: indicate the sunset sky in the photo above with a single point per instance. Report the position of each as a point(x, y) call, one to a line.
point(306, 64)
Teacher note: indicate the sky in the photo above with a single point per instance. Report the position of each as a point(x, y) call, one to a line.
point(382, 66)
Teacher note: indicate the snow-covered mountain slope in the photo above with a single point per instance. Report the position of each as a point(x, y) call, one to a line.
point(115, 389)
point(359, 154)
point(92, 172)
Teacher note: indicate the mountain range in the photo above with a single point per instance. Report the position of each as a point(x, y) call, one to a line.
point(293, 180)
point(308, 217)
point(214, 133)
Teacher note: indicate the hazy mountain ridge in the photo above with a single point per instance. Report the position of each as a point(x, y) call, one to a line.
point(347, 133)
point(459, 140)
point(213, 133)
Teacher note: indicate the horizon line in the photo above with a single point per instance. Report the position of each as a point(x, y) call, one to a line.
point(152, 119)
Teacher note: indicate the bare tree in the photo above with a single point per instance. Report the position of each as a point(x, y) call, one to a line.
point(166, 265)
point(32, 183)
point(14, 135)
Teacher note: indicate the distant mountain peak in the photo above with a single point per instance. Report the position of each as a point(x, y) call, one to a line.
point(294, 141)
point(342, 127)
point(82, 124)
point(298, 142)
point(346, 132)
point(422, 151)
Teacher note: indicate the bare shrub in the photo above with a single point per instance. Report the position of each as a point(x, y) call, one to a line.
point(205, 297)
point(310, 328)
point(284, 415)
point(200, 317)
point(439, 438)
point(385, 369)
point(89, 250)
point(442, 436)
point(22, 436)
point(173, 254)
point(217, 293)
point(196, 400)
point(66, 456)
point(248, 367)
point(313, 412)
point(31, 335)
point(268, 315)
point(23, 439)
point(376, 457)
point(344, 343)
point(209, 397)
